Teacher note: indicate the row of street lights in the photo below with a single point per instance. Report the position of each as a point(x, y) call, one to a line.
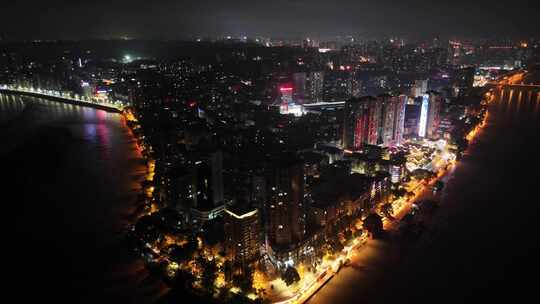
point(66, 95)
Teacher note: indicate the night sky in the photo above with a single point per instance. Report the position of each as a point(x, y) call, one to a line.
point(177, 19)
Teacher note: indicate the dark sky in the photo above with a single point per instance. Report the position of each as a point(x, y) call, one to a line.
point(174, 19)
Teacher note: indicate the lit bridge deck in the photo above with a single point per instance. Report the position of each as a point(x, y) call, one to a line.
point(323, 105)
point(107, 106)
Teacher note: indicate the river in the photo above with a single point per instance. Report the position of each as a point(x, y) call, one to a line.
point(72, 175)
point(482, 245)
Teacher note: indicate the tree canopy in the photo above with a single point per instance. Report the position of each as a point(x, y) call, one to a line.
point(290, 276)
point(373, 224)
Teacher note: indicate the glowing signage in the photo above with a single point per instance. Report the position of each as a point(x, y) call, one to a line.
point(291, 108)
point(286, 94)
point(423, 116)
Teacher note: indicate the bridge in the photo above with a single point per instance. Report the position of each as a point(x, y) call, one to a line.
point(519, 91)
point(513, 85)
point(324, 105)
point(533, 88)
point(517, 83)
point(115, 106)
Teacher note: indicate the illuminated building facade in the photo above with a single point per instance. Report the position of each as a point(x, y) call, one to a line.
point(306, 251)
point(419, 88)
point(361, 121)
point(380, 188)
point(288, 105)
point(341, 85)
point(392, 120)
point(422, 124)
point(396, 173)
point(242, 233)
point(412, 119)
point(286, 92)
point(434, 115)
point(373, 121)
point(315, 84)
point(430, 112)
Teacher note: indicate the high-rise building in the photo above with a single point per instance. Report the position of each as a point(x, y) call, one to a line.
point(434, 114)
point(314, 86)
point(356, 87)
point(399, 119)
point(373, 121)
point(210, 177)
point(455, 52)
point(412, 119)
point(390, 131)
point(355, 116)
point(430, 115)
point(464, 80)
point(361, 122)
point(195, 188)
point(286, 94)
point(419, 88)
point(179, 193)
point(300, 86)
point(341, 85)
point(242, 233)
point(207, 171)
point(286, 208)
point(422, 123)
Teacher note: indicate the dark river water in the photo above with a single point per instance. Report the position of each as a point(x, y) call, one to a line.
point(69, 189)
point(482, 245)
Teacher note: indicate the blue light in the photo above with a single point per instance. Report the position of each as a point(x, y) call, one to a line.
point(422, 126)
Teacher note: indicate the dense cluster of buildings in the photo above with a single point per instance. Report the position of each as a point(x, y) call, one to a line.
point(373, 121)
point(281, 189)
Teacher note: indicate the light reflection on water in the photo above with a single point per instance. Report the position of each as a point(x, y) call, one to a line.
point(92, 195)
